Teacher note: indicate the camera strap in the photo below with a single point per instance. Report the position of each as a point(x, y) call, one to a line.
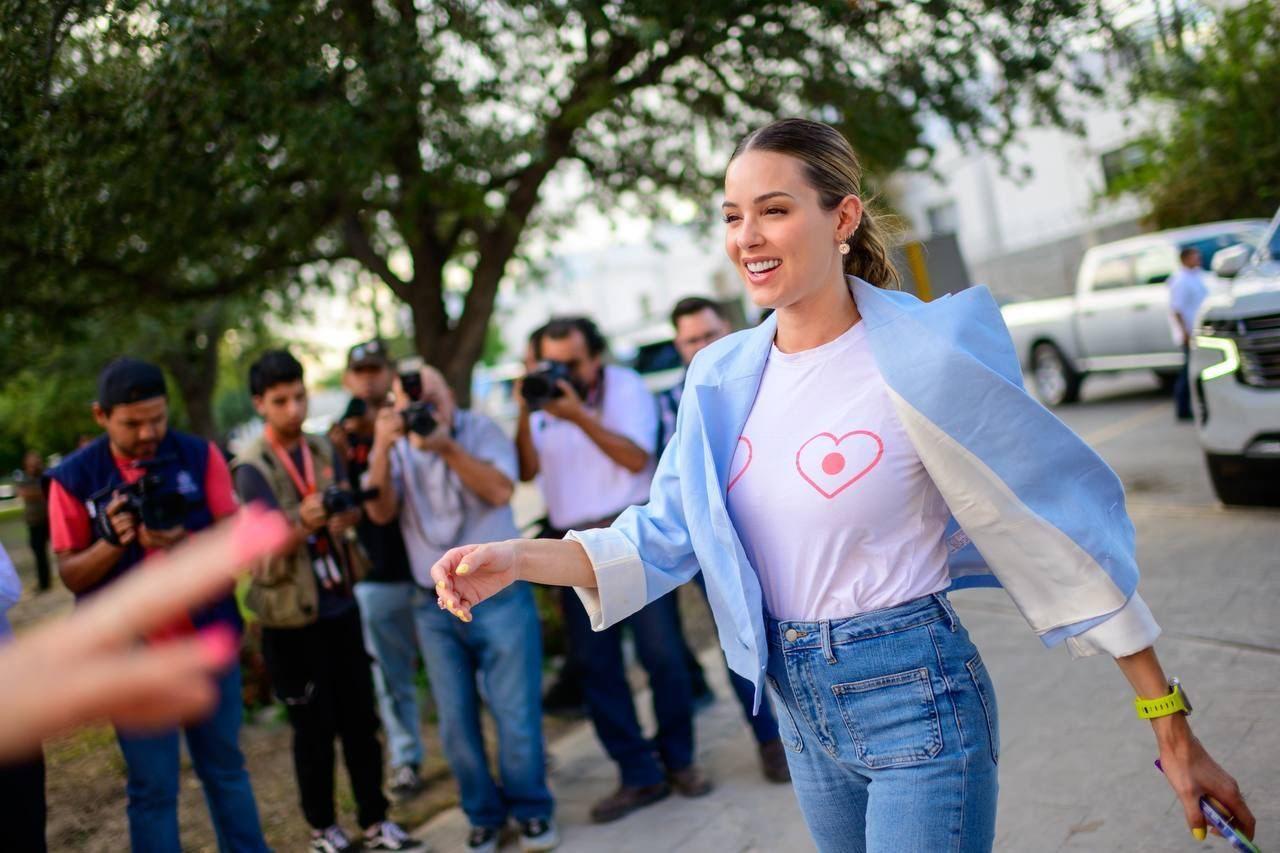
point(304, 482)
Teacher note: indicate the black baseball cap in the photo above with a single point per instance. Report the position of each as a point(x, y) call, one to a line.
point(129, 380)
point(368, 354)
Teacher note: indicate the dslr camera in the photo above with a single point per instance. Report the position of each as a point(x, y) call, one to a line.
point(420, 416)
point(152, 500)
point(543, 385)
point(337, 500)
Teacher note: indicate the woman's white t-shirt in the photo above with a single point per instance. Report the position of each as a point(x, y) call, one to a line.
point(833, 505)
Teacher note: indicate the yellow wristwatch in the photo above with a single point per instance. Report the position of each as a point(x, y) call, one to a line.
point(1175, 702)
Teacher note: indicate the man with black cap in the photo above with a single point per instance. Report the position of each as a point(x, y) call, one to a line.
point(386, 593)
point(141, 488)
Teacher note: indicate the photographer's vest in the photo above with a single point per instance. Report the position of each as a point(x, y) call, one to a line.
point(285, 593)
point(92, 468)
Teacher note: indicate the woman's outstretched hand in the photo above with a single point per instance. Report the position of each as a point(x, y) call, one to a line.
point(1192, 773)
point(468, 575)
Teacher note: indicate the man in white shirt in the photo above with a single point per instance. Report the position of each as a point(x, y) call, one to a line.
point(588, 431)
point(1187, 292)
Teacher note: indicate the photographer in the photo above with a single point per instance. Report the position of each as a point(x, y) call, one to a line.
point(587, 430)
point(136, 490)
point(448, 474)
point(386, 593)
point(311, 634)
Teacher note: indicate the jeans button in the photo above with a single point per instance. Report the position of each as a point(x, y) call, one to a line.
point(792, 635)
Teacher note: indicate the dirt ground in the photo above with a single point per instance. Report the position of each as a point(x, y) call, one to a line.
point(86, 775)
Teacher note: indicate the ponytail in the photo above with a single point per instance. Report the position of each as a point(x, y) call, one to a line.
point(868, 257)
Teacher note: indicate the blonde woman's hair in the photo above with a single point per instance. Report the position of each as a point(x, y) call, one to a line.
point(832, 168)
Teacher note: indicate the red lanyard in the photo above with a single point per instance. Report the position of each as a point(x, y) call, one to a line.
point(305, 483)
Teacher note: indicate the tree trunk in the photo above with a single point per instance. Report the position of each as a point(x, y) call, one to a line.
point(193, 362)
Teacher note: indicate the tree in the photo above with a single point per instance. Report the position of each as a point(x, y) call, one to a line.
point(422, 138)
point(464, 113)
point(134, 196)
point(1219, 155)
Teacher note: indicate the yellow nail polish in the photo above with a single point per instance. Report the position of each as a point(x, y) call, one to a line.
point(463, 569)
point(440, 585)
point(465, 617)
point(1198, 833)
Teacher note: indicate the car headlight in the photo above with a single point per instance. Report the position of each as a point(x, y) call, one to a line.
point(1230, 356)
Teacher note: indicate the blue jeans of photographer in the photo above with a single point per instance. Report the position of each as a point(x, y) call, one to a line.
point(890, 724)
point(152, 762)
point(387, 612)
point(495, 658)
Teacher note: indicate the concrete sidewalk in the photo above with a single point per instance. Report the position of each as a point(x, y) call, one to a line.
point(1075, 768)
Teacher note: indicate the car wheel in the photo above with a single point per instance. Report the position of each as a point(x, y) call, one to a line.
point(1055, 380)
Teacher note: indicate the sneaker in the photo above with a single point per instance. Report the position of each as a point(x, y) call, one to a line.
point(627, 799)
point(389, 835)
point(690, 781)
point(538, 834)
point(331, 840)
point(406, 783)
point(773, 761)
point(483, 839)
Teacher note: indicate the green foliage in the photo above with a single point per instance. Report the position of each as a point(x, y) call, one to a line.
point(1219, 156)
point(181, 150)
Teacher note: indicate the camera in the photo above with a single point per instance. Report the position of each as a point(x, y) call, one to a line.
point(337, 500)
point(420, 418)
point(543, 385)
point(152, 500)
point(411, 382)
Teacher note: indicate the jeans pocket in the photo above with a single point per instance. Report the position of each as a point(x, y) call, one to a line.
point(787, 728)
point(987, 693)
point(892, 719)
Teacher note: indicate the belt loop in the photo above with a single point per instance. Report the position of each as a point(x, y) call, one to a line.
point(952, 619)
point(826, 641)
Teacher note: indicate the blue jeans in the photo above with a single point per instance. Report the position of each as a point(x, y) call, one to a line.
point(763, 725)
point(496, 657)
point(152, 762)
point(386, 611)
point(613, 711)
point(889, 719)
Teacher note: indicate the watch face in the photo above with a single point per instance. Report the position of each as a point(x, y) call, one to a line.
point(1186, 700)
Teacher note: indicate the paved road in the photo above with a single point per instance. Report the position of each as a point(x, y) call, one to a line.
point(1076, 772)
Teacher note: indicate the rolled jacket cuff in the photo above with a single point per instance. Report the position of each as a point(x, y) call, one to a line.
point(1129, 630)
point(620, 580)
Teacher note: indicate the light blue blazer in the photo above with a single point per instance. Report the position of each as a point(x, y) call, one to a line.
point(1034, 509)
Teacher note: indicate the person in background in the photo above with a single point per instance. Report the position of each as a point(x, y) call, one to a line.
point(386, 594)
point(447, 475)
point(698, 323)
point(22, 802)
point(588, 434)
point(311, 632)
point(1187, 291)
point(134, 492)
point(35, 511)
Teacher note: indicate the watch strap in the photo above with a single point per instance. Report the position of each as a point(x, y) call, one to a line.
point(1175, 702)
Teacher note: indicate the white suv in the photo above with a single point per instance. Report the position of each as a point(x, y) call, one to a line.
point(1235, 373)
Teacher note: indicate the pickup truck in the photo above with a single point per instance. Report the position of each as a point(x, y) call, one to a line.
point(1235, 370)
point(1119, 317)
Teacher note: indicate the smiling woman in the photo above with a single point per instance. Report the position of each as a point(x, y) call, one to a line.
point(910, 462)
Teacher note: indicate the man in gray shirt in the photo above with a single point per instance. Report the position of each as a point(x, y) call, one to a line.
point(448, 475)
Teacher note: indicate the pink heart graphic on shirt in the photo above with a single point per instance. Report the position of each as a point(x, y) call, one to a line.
point(743, 441)
point(831, 464)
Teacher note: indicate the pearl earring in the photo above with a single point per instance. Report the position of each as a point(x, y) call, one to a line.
point(843, 248)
